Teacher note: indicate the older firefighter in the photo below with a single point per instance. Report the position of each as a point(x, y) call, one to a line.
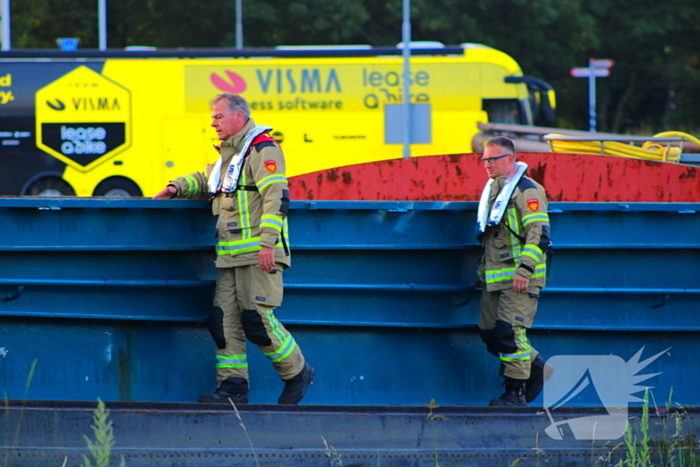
point(513, 228)
point(250, 198)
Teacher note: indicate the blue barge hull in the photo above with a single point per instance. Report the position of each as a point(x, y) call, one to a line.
point(106, 298)
point(109, 297)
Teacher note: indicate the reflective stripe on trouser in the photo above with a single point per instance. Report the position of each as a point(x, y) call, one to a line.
point(247, 297)
point(509, 314)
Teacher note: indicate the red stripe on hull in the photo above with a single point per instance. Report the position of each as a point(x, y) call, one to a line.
point(461, 177)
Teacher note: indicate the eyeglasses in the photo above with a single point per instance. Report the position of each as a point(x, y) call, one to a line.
point(491, 160)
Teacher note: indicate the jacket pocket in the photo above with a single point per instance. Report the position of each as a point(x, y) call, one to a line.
point(498, 242)
point(267, 287)
point(227, 203)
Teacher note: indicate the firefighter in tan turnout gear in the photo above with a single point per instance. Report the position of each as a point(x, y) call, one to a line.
point(513, 227)
point(248, 188)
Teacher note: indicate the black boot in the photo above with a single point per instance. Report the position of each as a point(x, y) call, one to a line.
point(295, 388)
point(513, 397)
point(235, 389)
point(535, 383)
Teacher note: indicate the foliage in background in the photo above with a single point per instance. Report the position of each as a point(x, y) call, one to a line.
point(654, 85)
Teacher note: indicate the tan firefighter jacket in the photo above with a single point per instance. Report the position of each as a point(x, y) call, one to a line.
point(520, 242)
point(255, 214)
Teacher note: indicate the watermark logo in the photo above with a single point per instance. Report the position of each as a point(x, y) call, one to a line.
point(607, 380)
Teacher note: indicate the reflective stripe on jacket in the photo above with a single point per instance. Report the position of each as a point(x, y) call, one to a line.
point(256, 214)
point(519, 244)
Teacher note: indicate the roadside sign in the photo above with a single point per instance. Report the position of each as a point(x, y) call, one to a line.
point(603, 63)
point(596, 69)
point(586, 72)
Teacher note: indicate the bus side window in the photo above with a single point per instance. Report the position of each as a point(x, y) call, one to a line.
point(504, 111)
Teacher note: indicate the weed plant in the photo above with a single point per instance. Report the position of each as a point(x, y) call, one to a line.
point(101, 448)
point(245, 430)
point(10, 454)
point(678, 450)
point(432, 417)
point(673, 447)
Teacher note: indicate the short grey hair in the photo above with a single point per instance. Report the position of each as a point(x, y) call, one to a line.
point(502, 141)
point(234, 102)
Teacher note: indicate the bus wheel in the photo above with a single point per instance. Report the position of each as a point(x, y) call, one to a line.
point(117, 187)
point(50, 186)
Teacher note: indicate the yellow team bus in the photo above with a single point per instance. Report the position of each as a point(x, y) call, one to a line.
point(124, 123)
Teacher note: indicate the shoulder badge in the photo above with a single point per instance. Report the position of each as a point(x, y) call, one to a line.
point(533, 204)
point(271, 165)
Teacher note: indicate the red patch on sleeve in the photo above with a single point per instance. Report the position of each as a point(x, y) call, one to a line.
point(271, 166)
point(533, 204)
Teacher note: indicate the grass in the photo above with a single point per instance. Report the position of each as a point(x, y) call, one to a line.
point(333, 455)
point(639, 448)
point(432, 417)
point(11, 453)
point(640, 445)
point(245, 430)
point(676, 450)
point(101, 448)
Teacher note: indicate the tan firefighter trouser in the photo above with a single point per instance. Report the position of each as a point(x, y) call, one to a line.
point(504, 317)
point(244, 305)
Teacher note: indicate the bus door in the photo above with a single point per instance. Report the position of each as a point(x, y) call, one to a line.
point(188, 146)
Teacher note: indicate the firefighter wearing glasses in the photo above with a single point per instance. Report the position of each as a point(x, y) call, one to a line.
point(513, 228)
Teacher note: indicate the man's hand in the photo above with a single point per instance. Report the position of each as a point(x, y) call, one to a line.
point(167, 193)
point(520, 283)
point(266, 259)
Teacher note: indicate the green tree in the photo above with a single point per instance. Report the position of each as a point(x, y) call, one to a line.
point(301, 22)
point(168, 24)
point(38, 23)
point(656, 63)
point(543, 36)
